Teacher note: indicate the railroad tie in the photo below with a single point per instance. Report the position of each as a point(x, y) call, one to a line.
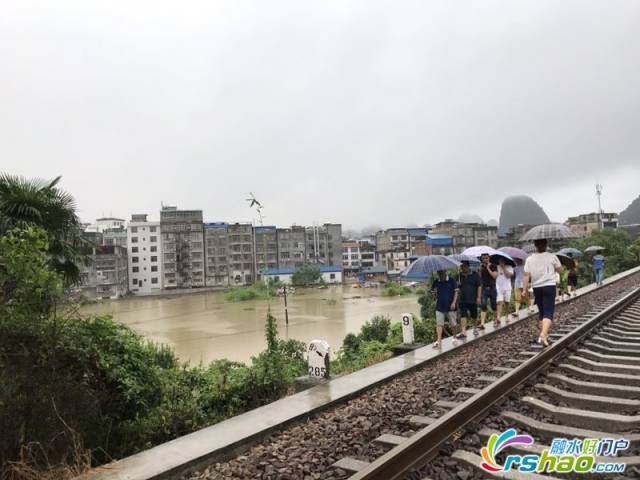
point(471, 460)
point(602, 377)
point(613, 351)
point(601, 357)
point(421, 420)
point(592, 402)
point(350, 465)
point(446, 404)
point(470, 390)
point(549, 431)
point(575, 417)
point(389, 439)
point(595, 388)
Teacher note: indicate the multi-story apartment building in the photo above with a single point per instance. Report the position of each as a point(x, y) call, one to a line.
point(115, 236)
point(266, 249)
point(393, 249)
point(324, 244)
point(357, 255)
point(144, 246)
point(182, 247)
point(105, 275)
point(467, 235)
point(291, 247)
point(106, 223)
point(216, 240)
point(240, 254)
point(584, 225)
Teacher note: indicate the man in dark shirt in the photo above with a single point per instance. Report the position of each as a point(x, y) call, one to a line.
point(488, 275)
point(445, 291)
point(470, 296)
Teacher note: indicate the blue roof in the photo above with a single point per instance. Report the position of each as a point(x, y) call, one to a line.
point(291, 270)
point(216, 225)
point(439, 239)
point(265, 229)
point(279, 271)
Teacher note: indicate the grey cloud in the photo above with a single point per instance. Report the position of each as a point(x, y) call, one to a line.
point(354, 112)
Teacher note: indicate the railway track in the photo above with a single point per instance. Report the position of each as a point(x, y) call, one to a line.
point(586, 385)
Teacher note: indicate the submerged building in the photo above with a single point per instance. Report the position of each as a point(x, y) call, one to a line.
point(182, 248)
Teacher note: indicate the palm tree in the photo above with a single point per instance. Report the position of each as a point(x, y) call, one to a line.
point(36, 202)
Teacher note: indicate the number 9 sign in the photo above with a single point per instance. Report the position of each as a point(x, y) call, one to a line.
point(407, 329)
point(318, 359)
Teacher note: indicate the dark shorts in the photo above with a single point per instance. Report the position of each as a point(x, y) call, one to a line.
point(469, 310)
point(546, 301)
point(573, 280)
point(489, 295)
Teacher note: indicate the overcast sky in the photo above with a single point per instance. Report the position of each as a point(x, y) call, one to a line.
point(368, 112)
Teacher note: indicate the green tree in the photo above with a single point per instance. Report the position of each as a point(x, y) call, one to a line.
point(618, 250)
point(35, 202)
point(306, 275)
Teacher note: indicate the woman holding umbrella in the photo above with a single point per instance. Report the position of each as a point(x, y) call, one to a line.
point(540, 271)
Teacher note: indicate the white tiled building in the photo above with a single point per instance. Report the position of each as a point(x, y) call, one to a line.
point(144, 247)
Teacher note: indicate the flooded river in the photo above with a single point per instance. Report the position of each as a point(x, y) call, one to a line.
point(203, 327)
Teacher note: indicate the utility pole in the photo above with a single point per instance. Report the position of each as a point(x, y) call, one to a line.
point(286, 311)
point(599, 195)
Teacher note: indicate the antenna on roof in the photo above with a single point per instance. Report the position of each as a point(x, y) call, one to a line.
point(254, 203)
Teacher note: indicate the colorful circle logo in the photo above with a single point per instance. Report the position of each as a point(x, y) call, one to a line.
point(497, 443)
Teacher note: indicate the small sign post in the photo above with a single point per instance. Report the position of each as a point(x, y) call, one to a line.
point(318, 359)
point(407, 329)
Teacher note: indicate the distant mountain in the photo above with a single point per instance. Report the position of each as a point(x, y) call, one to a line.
point(470, 218)
point(520, 209)
point(631, 214)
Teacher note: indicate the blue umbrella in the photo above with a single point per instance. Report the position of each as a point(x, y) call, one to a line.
point(423, 266)
point(572, 252)
point(507, 258)
point(460, 257)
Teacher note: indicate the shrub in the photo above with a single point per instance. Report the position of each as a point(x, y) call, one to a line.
point(393, 289)
point(257, 291)
point(376, 329)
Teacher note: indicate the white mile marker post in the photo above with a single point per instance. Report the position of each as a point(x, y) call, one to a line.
point(318, 359)
point(407, 329)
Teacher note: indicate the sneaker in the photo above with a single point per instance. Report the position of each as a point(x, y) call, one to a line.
point(461, 336)
point(436, 345)
point(481, 327)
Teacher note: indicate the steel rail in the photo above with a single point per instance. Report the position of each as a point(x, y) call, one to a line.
point(420, 448)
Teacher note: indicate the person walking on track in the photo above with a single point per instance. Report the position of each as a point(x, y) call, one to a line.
point(488, 275)
point(445, 291)
point(598, 267)
point(540, 271)
point(503, 288)
point(470, 295)
point(518, 287)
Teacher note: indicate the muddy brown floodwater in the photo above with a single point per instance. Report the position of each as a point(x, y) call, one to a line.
point(203, 327)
